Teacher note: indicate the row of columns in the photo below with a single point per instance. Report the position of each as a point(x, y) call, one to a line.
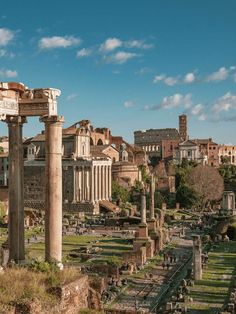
point(53, 189)
point(101, 182)
point(92, 184)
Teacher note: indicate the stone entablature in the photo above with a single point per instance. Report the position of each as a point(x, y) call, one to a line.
point(18, 100)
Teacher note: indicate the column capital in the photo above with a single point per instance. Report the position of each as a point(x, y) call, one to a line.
point(15, 120)
point(51, 119)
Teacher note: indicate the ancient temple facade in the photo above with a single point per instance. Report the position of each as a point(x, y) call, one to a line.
point(86, 177)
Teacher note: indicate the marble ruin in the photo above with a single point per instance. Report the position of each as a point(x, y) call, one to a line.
point(228, 204)
point(16, 103)
point(197, 257)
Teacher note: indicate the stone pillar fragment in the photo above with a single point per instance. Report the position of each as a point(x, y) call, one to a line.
point(16, 189)
point(53, 190)
point(197, 257)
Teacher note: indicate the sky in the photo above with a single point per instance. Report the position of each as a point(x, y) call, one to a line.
point(129, 64)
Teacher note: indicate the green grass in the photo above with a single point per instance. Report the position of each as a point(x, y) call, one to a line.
point(213, 290)
point(111, 247)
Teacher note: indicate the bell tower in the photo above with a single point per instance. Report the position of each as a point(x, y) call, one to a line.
point(183, 127)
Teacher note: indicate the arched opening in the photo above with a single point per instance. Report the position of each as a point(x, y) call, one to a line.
point(99, 142)
point(91, 141)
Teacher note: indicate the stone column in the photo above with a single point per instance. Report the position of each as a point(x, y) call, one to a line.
point(95, 183)
point(143, 207)
point(92, 184)
point(16, 189)
point(197, 257)
point(53, 190)
point(109, 182)
point(152, 192)
point(99, 183)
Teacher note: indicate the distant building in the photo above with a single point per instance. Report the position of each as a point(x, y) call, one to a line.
point(86, 174)
point(188, 150)
point(162, 143)
point(209, 150)
point(4, 144)
point(227, 153)
point(125, 172)
point(157, 142)
point(203, 151)
point(3, 169)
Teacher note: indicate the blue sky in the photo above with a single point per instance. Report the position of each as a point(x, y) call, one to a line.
point(128, 64)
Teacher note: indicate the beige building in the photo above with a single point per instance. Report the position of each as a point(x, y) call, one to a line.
point(227, 152)
point(86, 176)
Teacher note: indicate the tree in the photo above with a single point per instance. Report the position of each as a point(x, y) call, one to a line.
point(187, 197)
point(206, 182)
point(119, 192)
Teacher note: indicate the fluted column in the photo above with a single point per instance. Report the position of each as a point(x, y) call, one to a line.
point(16, 189)
point(107, 183)
point(95, 183)
point(91, 184)
point(110, 182)
point(100, 183)
point(103, 183)
point(53, 191)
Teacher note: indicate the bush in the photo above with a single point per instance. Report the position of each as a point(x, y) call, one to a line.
point(231, 232)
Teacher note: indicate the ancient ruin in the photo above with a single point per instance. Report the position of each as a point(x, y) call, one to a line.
point(16, 103)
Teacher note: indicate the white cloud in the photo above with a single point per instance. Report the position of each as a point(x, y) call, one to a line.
point(189, 78)
point(138, 44)
point(225, 103)
point(171, 81)
point(8, 73)
point(220, 75)
point(169, 102)
point(6, 35)
point(129, 104)
point(199, 111)
point(120, 57)
point(71, 96)
point(168, 80)
point(158, 78)
point(58, 42)
point(202, 117)
point(85, 52)
point(3, 53)
point(111, 44)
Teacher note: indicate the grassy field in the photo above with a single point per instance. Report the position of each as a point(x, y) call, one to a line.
point(110, 248)
point(212, 291)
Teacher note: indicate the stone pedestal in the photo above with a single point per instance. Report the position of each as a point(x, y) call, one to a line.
point(143, 231)
point(5, 254)
point(53, 189)
point(152, 225)
point(16, 189)
point(197, 257)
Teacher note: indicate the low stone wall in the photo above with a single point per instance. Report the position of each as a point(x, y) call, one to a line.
point(72, 298)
